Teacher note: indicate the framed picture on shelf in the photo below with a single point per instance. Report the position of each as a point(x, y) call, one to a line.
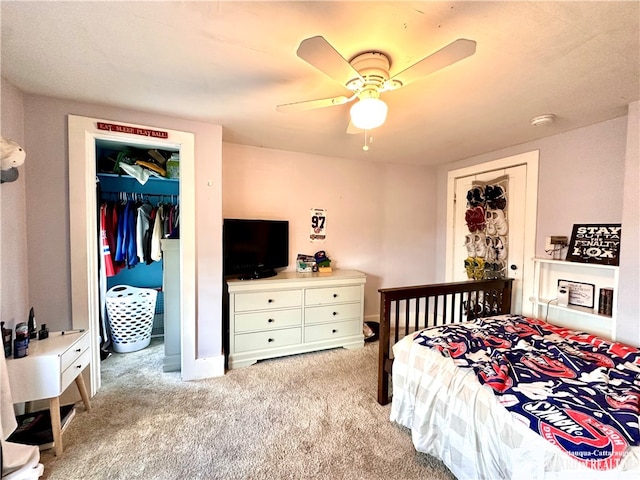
point(580, 294)
point(595, 243)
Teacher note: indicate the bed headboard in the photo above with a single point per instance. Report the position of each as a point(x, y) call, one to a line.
point(405, 310)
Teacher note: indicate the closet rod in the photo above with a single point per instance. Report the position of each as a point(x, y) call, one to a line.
point(125, 196)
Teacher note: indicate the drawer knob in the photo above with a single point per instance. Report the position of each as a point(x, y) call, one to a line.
point(335, 313)
point(270, 300)
point(334, 331)
point(335, 295)
point(78, 366)
point(271, 320)
point(78, 349)
point(270, 340)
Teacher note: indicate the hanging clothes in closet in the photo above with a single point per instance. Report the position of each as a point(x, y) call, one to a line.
point(132, 228)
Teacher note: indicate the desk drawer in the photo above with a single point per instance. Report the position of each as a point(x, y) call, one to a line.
point(245, 302)
point(328, 331)
point(332, 313)
point(267, 320)
point(264, 340)
point(74, 351)
point(75, 368)
point(323, 296)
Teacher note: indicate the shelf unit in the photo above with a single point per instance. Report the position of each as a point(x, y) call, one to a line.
point(547, 272)
point(171, 288)
point(111, 182)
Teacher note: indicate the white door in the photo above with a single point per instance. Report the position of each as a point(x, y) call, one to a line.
point(521, 174)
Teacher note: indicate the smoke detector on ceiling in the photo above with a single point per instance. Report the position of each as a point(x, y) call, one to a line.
point(543, 120)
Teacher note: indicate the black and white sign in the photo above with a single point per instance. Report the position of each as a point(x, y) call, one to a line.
point(318, 225)
point(595, 243)
point(578, 293)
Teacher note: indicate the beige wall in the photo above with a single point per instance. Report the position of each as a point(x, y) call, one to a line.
point(14, 289)
point(380, 217)
point(47, 202)
point(580, 178)
point(629, 290)
point(582, 175)
point(384, 219)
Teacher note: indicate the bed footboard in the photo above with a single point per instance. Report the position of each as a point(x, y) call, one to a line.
point(405, 310)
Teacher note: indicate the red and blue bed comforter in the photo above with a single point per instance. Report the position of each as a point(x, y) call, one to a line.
point(578, 391)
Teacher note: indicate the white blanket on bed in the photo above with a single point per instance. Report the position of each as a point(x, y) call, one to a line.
point(455, 418)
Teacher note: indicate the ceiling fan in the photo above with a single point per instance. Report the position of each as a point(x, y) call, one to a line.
point(367, 77)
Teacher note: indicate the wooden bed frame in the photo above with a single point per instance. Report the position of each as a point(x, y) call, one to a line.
point(405, 310)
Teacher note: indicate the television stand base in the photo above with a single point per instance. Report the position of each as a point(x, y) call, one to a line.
point(257, 274)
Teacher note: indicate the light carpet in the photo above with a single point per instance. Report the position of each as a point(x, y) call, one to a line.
point(311, 416)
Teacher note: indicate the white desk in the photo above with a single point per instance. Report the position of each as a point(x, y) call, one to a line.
point(50, 367)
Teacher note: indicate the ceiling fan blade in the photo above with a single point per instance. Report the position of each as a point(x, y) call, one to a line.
point(452, 53)
point(319, 53)
point(312, 104)
point(352, 129)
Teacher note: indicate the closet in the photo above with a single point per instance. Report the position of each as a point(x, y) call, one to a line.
point(83, 135)
point(138, 201)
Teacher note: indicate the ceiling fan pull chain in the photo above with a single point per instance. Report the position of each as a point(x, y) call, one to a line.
point(365, 147)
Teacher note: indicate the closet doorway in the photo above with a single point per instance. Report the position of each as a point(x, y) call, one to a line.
point(139, 203)
point(86, 137)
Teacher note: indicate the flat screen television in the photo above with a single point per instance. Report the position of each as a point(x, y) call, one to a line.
point(254, 248)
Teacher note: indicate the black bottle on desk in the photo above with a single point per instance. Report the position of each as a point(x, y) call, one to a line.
point(33, 334)
point(43, 332)
point(7, 339)
point(21, 343)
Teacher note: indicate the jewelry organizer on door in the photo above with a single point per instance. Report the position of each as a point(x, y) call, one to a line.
point(160, 196)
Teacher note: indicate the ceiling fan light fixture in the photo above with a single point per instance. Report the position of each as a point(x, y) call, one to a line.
point(368, 113)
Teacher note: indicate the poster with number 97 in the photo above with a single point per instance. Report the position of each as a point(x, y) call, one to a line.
point(318, 225)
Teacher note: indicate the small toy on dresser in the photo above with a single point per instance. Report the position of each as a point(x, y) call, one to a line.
point(323, 263)
point(305, 263)
point(319, 262)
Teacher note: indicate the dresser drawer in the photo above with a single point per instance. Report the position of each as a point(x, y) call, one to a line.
point(267, 320)
point(74, 351)
point(322, 296)
point(245, 302)
point(246, 342)
point(328, 331)
point(72, 371)
point(332, 313)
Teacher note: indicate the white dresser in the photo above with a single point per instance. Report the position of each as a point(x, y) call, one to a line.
point(294, 313)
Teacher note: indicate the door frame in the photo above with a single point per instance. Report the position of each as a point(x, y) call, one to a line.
point(83, 231)
point(531, 160)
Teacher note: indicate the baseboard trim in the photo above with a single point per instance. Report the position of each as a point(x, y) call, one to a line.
point(206, 368)
point(372, 318)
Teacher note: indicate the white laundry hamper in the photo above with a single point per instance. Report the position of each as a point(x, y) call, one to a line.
point(131, 311)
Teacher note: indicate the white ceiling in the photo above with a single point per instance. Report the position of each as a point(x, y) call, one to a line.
point(231, 63)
